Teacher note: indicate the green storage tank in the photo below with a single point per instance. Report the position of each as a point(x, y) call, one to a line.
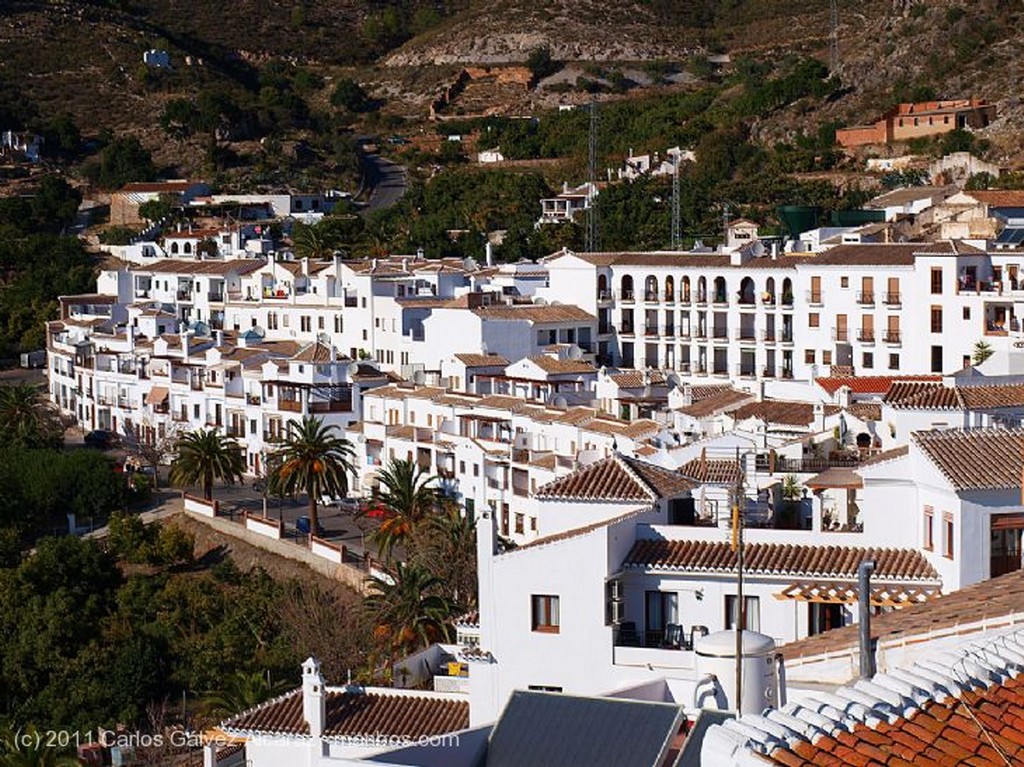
point(856, 217)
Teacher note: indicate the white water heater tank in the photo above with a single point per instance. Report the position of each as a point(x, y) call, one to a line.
point(716, 659)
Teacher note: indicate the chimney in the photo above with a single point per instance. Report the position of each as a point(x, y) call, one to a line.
point(405, 264)
point(334, 354)
point(565, 187)
point(489, 251)
point(687, 394)
point(219, 337)
point(373, 265)
point(867, 653)
point(314, 700)
point(420, 254)
point(843, 397)
point(305, 267)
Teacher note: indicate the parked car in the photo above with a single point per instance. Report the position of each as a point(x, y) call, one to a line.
point(303, 526)
point(101, 439)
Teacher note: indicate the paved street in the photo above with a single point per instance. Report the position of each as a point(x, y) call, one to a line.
point(386, 180)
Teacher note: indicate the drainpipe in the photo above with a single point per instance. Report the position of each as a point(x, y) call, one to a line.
point(867, 655)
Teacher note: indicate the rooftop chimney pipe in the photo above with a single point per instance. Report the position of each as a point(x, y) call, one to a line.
point(867, 654)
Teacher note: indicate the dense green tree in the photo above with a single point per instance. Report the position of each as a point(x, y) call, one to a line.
point(241, 691)
point(313, 460)
point(407, 611)
point(407, 494)
point(27, 419)
point(203, 456)
point(349, 94)
point(123, 161)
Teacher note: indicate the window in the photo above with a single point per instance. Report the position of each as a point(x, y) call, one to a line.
point(844, 282)
point(462, 467)
point(337, 323)
point(967, 312)
point(894, 362)
point(320, 322)
point(544, 613)
point(662, 608)
point(476, 470)
point(947, 535)
point(823, 617)
point(810, 356)
point(814, 319)
point(936, 280)
point(826, 357)
point(752, 608)
point(868, 360)
point(937, 359)
point(520, 524)
point(929, 529)
point(936, 319)
point(543, 688)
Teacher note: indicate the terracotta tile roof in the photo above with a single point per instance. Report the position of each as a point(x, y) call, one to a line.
point(157, 186)
point(959, 612)
point(889, 254)
point(181, 266)
point(992, 397)
point(315, 352)
point(796, 560)
point(634, 379)
point(717, 471)
point(642, 427)
point(501, 402)
point(923, 396)
point(470, 620)
point(1000, 198)
point(616, 478)
point(965, 709)
point(722, 401)
point(481, 360)
point(868, 384)
point(535, 313)
point(781, 412)
point(835, 476)
point(556, 366)
point(976, 459)
point(885, 456)
point(353, 711)
point(866, 411)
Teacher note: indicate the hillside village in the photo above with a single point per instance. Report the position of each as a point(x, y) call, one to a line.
point(745, 487)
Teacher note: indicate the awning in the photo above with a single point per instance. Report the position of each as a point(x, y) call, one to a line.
point(836, 477)
point(1008, 521)
point(157, 395)
point(846, 593)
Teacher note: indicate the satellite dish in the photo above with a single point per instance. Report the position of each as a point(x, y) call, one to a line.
point(556, 303)
point(575, 352)
point(257, 332)
point(200, 328)
point(324, 338)
point(419, 378)
point(540, 302)
point(352, 369)
point(560, 402)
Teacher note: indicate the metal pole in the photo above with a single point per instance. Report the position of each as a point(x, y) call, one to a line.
point(867, 657)
point(740, 610)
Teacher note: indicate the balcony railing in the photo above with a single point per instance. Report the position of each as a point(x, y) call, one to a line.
point(626, 296)
point(720, 334)
point(866, 336)
point(291, 405)
point(747, 301)
point(253, 399)
point(702, 298)
point(787, 299)
point(768, 372)
point(866, 297)
point(840, 334)
point(784, 465)
point(669, 331)
point(893, 299)
point(215, 298)
point(814, 296)
point(604, 329)
point(651, 297)
point(331, 406)
point(604, 295)
point(626, 329)
point(746, 334)
point(892, 336)
point(787, 336)
point(721, 299)
point(768, 299)
point(768, 336)
point(685, 299)
point(184, 295)
point(651, 330)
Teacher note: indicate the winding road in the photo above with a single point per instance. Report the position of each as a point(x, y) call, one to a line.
point(386, 181)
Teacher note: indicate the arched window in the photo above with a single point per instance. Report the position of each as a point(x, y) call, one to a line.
point(602, 286)
point(626, 287)
point(720, 296)
point(684, 289)
point(787, 292)
point(747, 295)
point(188, 247)
point(769, 291)
point(702, 290)
point(651, 288)
point(670, 289)
point(174, 248)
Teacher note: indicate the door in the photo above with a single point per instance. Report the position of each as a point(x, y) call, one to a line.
point(868, 327)
point(867, 290)
point(892, 329)
point(842, 331)
point(893, 291)
point(815, 290)
point(662, 608)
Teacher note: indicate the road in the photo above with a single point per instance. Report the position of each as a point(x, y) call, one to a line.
point(386, 181)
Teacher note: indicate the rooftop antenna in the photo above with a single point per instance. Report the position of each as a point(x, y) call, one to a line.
point(592, 238)
point(675, 203)
point(833, 38)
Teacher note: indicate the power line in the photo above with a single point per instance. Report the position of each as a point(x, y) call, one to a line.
point(593, 239)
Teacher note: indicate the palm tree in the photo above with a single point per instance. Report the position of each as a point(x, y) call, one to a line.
point(408, 494)
point(202, 456)
point(27, 419)
point(407, 611)
point(312, 459)
point(982, 351)
point(241, 692)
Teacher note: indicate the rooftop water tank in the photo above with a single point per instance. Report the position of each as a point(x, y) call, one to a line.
point(716, 658)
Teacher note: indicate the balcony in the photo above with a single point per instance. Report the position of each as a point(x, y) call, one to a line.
point(626, 329)
point(702, 299)
point(866, 298)
point(866, 336)
point(253, 399)
point(768, 372)
point(685, 299)
point(721, 299)
point(215, 298)
point(290, 405)
point(626, 297)
point(276, 293)
point(651, 298)
point(604, 296)
point(787, 375)
point(351, 302)
point(701, 334)
point(184, 295)
point(746, 334)
point(842, 335)
point(271, 436)
point(768, 336)
point(892, 337)
point(787, 336)
point(604, 329)
point(651, 330)
point(746, 371)
point(814, 297)
point(720, 334)
point(747, 302)
point(669, 331)
point(893, 299)
point(331, 406)
point(787, 300)
point(768, 299)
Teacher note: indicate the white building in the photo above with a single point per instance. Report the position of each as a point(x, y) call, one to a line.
point(567, 204)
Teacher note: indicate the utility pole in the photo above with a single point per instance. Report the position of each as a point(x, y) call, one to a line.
point(833, 38)
point(741, 612)
point(592, 237)
point(675, 204)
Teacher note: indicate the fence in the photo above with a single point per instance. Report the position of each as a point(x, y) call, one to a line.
point(200, 505)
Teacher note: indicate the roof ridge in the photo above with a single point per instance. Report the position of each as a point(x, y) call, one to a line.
point(626, 464)
point(886, 698)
